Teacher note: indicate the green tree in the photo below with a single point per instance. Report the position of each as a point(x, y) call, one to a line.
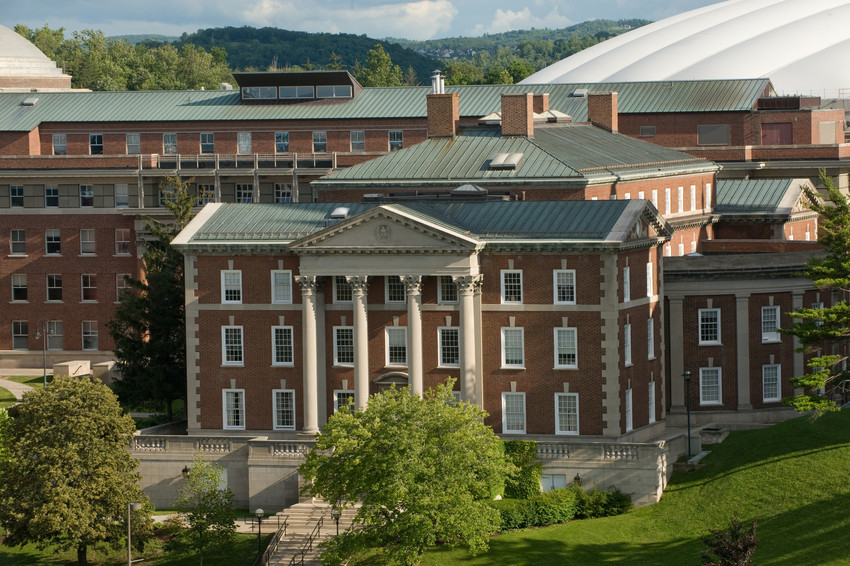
point(730, 547)
point(379, 69)
point(67, 476)
point(148, 326)
point(206, 510)
point(423, 470)
point(824, 331)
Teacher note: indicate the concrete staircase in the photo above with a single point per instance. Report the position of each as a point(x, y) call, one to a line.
point(301, 520)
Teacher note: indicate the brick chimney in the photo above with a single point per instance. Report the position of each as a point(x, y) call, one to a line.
point(517, 114)
point(602, 110)
point(541, 103)
point(443, 115)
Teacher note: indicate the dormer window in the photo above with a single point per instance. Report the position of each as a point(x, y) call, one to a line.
point(333, 91)
point(288, 88)
point(287, 92)
point(259, 92)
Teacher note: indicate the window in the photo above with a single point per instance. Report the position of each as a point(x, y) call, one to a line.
point(207, 142)
point(243, 142)
point(282, 287)
point(233, 401)
point(122, 195)
point(629, 417)
point(647, 131)
point(120, 284)
point(51, 196)
point(549, 482)
point(565, 286)
point(358, 140)
point(282, 192)
point(343, 345)
point(396, 140)
point(627, 344)
point(649, 279)
point(655, 198)
point(296, 92)
point(818, 307)
point(60, 145)
point(133, 144)
point(709, 386)
point(281, 142)
point(88, 282)
point(282, 346)
point(627, 285)
point(333, 91)
point(770, 375)
point(169, 143)
point(342, 290)
point(20, 335)
point(713, 134)
point(650, 338)
point(709, 326)
point(86, 195)
point(566, 348)
point(259, 92)
point(396, 346)
point(19, 286)
point(693, 197)
point(54, 335)
point(320, 142)
point(447, 290)
point(231, 346)
point(122, 241)
point(667, 204)
point(343, 398)
point(284, 409)
point(244, 192)
point(87, 241)
point(54, 287)
point(681, 249)
point(781, 133)
point(651, 402)
point(96, 144)
point(53, 242)
point(16, 196)
point(396, 292)
point(18, 242)
point(231, 286)
point(513, 413)
point(449, 346)
point(708, 195)
point(566, 413)
point(206, 193)
point(770, 324)
point(681, 199)
point(511, 286)
point(89, 335)
point(513, 351)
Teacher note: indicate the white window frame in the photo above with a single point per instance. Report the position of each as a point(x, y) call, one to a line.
point(53, 277)
point(133, 144)
point(282, 193)
point(701, 324)
point(229, 353)
point(708, 195)
point(169, 144)
point(19, 283)
point(86, 196)
point(357, 140)
point(122, 241)
point(95, 144)
point(627, 344)
point(513, 330)
point(629, 410)
point(444, 283)
point(515, 299)
point(569, 430)
point(391, 280)
point(244, 193)
point(343, 293)
point(320, 142)
point(442, 333)
point(349, 394)
point(667, 204)
point(776, 369)
point(281, 142)
point(89, 335)
point(87, 241)
point(276, 360)
point(655, 198)
point(122, 195)
point(337, 330)
point(18, 242)
point(627, 284)
point(693, 197)
point(650, 338)
point(568, 284)
point(231, 284)
point(244, 143)
point(571, 347)
point(20, 335)
point(395, 139)
point(277, 397)
point(238, 409)
point(770, 333)
point(16, 196)
point(281, 286)
point(703, 377)
point(206, 193)
point(53, 236)
point(120, 285)
point(51, 196)
point(651, 401)
point(207, 143)
point(55, 335)
point(392, 333)
point(60, 144)
point(505, 396)
point(680, 194)
point(88, 284)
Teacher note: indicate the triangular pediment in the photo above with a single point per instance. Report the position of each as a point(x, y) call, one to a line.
point(386, 230)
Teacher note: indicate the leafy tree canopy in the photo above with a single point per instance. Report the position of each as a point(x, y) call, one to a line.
point(379, 69)
point(422, 469)
point(67, 476)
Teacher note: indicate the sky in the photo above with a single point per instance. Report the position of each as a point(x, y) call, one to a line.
point(419, 19)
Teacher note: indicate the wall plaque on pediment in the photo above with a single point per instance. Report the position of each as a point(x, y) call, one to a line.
point(383, 232)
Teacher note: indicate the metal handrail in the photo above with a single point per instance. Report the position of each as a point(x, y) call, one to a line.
point(308, 544)
point(265, 557)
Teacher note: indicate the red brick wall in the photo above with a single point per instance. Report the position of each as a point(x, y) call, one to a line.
point(443, 115)
point(602, 110)
point(517, 114)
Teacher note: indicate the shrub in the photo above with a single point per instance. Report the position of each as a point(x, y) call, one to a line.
point(514, 513)
point(598, 503)
point(552, 507)
point(526, 482)
point(730, 547)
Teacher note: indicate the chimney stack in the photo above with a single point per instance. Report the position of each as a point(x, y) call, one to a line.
point(541, 103)
point(517, 114)
point(602, 110)
point(443, 115)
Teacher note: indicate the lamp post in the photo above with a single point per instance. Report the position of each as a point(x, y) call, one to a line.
point(43, 331)
point(336, 513)
point(130, 507)
point(687, 376)
point(259, 513)
point(185, 472)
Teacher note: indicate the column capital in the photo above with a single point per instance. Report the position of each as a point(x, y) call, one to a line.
point(359, 283)
point(467, 283)
point(310, 284)
point(412, 284)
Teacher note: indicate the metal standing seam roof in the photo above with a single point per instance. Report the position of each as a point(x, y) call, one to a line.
point(372, 103)
point(751, 194)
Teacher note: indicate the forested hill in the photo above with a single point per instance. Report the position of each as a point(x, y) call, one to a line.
point(259, 49)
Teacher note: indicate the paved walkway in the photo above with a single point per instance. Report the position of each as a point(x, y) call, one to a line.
point(17, 389)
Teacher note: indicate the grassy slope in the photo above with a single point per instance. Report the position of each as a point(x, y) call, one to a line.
point(792, 478)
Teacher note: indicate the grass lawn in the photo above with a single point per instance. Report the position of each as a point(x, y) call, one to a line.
point(32, 381)
point(792, 478)
point(6, 398)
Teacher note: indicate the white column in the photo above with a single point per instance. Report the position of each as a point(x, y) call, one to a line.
point(309, 286)
point(413, 286)
point(465, 289)
point(359, 286)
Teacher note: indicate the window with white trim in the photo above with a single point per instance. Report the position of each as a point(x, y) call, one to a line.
point(87, 246)
point(121, 285)
point(447, 291)
point(681, 199)
point(17, 242)
point(243, 143)
point(770, 383)
point(282, 193)
point(122, 195)
point(19, 287)
point(233, 405)
point(284, 409)
point(395, 290)
point(320, 142)
point(707, 195)
point(448, 338)
point(89, 335)
point(564, 281)
point(343, 398)
point(60, 144)
point(342, 290)
point(629, 412)
point(818, 306)
point(710, 386)
point(655, 198)
point(770, 324)
point(20, 335)
point(206, 193)
point(649, 279)
point(627, 284)
point(281, 286)
point(343, 345)
point(709, 326)
point(358, 140)
point(513, 349)
point(54, 286)
point(55, 338)
point(281, 142)
point(96, 144)
point(207, 142)
point(566, 348)
point(169, 144)
point(693, 197)
point(667, 204)
point(88, 283)
point(549, 482)
point(651, 392)
point(396, 138)
point(511, 286)
point(396, 345)
point(122, 241)
point(133, 144)
point(513, 413)
point(283, 352)
point(51, 196)
point(244, 192)
point(627, 344)
point(681, 249)
point(566, 413)
point(650, 338)
point(231, 286)
point(231, 346)
point(16, 196)
point(86, 196)
point(52, 241)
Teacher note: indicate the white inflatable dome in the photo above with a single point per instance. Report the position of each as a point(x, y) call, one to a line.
point(802, 46)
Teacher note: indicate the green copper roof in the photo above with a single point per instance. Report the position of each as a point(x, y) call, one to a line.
point(403, 102)
point(757, 195)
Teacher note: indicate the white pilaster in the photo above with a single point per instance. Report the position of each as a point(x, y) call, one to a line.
point(465, 290)
point(359, 286)
point(413, 287)
point(310, 338)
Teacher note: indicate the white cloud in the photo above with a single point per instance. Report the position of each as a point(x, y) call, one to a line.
point(508, 20)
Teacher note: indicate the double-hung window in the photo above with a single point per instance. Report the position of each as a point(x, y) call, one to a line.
point(281, 142)
point(233, 404)
point(513, 413)
point(19, 286)
point(54, 286)
point(88, 283)
point(87, 246)
point(206, 193)
point(396, 140)
point(55, 338)
point(629, 411)
point(511, 286)
point(96, 144)
point(51, 196)
point(231, 286)
point(282, 346)
point(231, 346)
point(649, 279)
point(358, 140)
point(627, 285)
point(169, 143)
point(709, 326)
point(86, 196)
point(650, 338)
point(133, 144)
point(566, 348)
point(396, 292)
point(343, 345)
point(60, 144)
point(564, 281)
point(122, 241)
point(627, 344)
point(122, 195)
point(513, 349)
point(282, 193)
point(710, 386)
point(447, 291)
point(449, 346)
point(282, 287)
point(244, 192)
point(343, 398)
point(320, 142)
point(207, 142)
point(16, 196)
point(284, 409)
point(243, 143)
point(770, 324)
point(342, 290)
point(121, 284)
point(566, 413)
point(396, 345)
point(17, 242)
point(89, 335)
point(20, 335)
point(770, 383)
point(651, 402)
point(52, 241)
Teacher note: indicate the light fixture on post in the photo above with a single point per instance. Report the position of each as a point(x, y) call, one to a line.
point(43, 330)
point(259, 513)
point(687, 376)
point(336, 513)
point(577, 479)
point(186, 471)
point(131, 507)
